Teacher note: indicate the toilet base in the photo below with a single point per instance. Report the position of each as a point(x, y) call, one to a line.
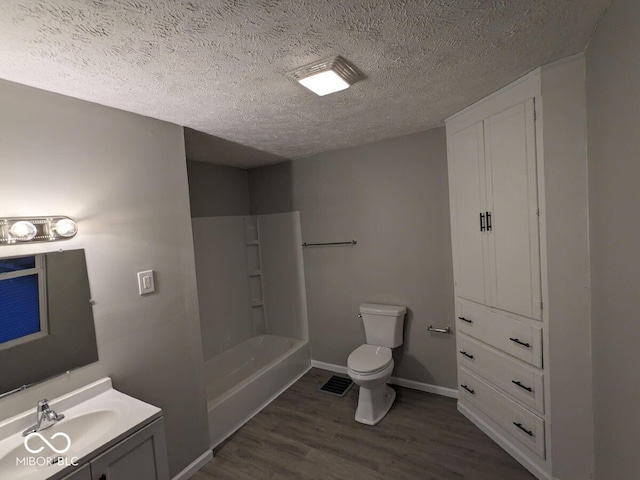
point(374, 403)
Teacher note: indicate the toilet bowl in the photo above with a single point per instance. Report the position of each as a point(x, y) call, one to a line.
point(370, 365)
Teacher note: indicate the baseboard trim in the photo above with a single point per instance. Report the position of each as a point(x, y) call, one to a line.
point(504, 443)
point(401, 382)
point(329, 366)
point(260, 408)
point(424, 387)
point(194, 466)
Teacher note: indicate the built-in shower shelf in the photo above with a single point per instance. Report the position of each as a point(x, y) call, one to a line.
point(255, 273)
point(257, 303)
point(253, 242)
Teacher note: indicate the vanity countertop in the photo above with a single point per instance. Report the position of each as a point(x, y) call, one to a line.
point(96, 418)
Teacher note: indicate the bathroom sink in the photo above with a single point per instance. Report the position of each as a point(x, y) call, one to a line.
point(83, 431)
point(96, 418)
point(87, 429)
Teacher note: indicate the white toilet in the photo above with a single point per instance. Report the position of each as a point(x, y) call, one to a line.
point(370, 365)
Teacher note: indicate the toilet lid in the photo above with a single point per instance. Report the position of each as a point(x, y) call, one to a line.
point(369, 359)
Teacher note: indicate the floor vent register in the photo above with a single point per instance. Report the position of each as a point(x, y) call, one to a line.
point(338, 386)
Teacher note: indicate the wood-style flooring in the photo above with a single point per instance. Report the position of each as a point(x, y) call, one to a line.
point(306, 434)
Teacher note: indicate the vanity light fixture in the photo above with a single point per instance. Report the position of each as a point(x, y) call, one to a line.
point(23, 231)
point(36, 229)
point(327, 76)
point(65, 227)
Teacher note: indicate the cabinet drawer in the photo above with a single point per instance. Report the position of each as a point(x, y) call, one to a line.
point(516, 420)
point(522, 382)
point(511, 336)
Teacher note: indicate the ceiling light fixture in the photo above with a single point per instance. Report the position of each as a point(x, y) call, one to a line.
point(327, 76)
point(36, 229)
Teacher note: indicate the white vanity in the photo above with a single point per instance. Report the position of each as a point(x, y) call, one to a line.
point(105, 435)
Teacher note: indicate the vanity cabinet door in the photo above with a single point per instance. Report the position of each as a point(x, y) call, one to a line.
point(81, 473)
point(142, 456)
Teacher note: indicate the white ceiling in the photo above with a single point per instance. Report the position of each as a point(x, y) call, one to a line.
point(220, 67)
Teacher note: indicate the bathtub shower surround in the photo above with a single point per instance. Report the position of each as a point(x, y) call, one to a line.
point(223, 284)
point(244, 379)
point(285, 297)
point(253, 313)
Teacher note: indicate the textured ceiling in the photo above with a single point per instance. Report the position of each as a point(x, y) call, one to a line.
point(202, 147)
point(220, 67)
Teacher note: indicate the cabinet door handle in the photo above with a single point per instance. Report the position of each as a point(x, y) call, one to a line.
point(465, 320)
point(466, 354)
point(482, 222)
point(519, 425)
point(528, 389)
point(515, 340)
point(488, 221)
point(472, 392)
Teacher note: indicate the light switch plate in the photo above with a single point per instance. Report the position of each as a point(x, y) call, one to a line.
point(145, 282)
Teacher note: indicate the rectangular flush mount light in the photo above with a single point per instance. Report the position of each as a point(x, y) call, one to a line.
point(327, 76)
point(36, 229)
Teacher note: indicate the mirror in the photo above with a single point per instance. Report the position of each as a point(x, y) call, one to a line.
point(46, 317)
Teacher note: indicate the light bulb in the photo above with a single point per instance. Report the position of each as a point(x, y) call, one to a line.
point(23, 231)
point(66, 227)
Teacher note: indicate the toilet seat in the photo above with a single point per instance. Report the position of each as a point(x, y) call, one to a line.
point(369, 359)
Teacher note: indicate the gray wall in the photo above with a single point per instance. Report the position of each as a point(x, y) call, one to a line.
point(216, 190)
point(391, 196)
point(566, 217)
point(613, 106)
point(123, 178)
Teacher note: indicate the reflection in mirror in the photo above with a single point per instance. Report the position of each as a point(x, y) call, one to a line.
point(46, 318)
point(23, 294)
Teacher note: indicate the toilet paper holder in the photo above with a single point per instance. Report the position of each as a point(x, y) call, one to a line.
point(431, 328)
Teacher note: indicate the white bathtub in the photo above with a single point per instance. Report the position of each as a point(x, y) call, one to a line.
point(244, 379)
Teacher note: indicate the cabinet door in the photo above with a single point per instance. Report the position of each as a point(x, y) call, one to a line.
point(142, 456)
point(510, 152)
point(468, 198)
point(81, 473)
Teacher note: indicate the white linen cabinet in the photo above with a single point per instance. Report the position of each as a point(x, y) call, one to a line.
point(493, 185)
point(497, 152)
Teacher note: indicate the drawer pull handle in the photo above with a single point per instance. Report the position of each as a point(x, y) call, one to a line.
point(528, 389)
point(519, 425)
point(472, 392)
point(519, 342)
point(465, 320)
point(466, 354)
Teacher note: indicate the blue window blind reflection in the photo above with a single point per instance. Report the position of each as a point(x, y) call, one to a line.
point(19, 307)
point(16, 264)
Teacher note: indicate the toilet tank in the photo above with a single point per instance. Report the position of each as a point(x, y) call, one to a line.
point(383, 324)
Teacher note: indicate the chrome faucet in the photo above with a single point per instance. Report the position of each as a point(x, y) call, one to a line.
point(45, 418)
